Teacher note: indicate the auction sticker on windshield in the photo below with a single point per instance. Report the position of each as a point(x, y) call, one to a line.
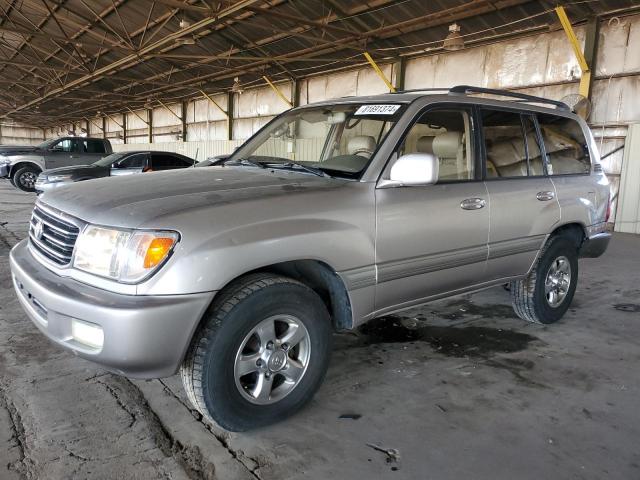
point(377, 110)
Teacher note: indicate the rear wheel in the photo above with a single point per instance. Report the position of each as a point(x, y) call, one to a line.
point(261, 353)
point(546, 293)
point(25, 178)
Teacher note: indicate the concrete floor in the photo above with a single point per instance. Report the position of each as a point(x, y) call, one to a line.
point(461, 388)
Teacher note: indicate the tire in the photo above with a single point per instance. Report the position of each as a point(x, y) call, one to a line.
point(529, 297)
point(239, 317)
point(25, 178)
point(11, 181)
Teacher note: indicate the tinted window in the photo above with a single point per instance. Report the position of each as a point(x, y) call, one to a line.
point(446, 134)
point(93, 146)
point(504, 144)
point(165, 161)
point(565, 144)
point(133, 161)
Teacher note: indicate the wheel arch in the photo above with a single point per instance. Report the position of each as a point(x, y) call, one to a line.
point(574, 230)
point(319, 277)
point(23, 163)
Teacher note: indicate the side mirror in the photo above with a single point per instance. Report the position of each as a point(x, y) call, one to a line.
point(415, 169)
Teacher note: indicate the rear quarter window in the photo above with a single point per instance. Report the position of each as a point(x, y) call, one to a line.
point(565, 144)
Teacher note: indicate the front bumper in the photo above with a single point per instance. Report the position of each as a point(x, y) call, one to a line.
point(4, 171)
point(144, 336)
point(595, 245)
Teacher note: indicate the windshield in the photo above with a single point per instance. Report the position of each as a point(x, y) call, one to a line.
point(336, 139)
point(108, 160)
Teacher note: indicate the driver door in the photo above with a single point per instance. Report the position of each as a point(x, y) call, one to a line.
point(432, 239)
point(60, 154)
point(135, 163)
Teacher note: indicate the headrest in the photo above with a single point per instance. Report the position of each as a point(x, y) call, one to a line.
point(363, 145)
point(446, 144)
point(425, 144)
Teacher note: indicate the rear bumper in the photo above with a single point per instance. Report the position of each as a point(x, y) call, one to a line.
point(595, 245)
point(144, 336)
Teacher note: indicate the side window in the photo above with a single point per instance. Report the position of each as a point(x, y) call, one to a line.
point(565, 144)
point(505, 144)
point(94, 146)
point(446, 134)
point(134, 161)
point(167, 162)
point(65, 145)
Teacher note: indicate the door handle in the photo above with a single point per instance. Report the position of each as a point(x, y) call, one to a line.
point(545, 196)
point(472, 203)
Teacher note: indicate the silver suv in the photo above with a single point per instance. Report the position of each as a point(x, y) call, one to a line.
point(22, 164)
point(333, 214)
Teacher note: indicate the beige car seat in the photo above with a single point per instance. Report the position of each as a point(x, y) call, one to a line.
point(362, 145)
point(450, 150)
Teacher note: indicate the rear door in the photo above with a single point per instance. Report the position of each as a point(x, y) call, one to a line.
point(90, 150)
point(524, 204)
point(569, 167)
point(432, 239)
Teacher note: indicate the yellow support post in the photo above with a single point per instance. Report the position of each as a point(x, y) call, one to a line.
point(375, 66)
point(278, 92)
point(585, 78)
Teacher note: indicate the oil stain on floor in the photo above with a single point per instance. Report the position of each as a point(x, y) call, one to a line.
point(472, 341)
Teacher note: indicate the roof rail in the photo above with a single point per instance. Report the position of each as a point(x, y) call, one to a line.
point(415, 90)
point(522, 97)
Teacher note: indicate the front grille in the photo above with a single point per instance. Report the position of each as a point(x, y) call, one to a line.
point(52, 237)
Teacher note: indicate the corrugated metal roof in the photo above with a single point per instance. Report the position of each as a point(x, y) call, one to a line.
point(63, 60)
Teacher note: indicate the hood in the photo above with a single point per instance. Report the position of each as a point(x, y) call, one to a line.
point(133, 200)
point(79, 171)
point(16, 149)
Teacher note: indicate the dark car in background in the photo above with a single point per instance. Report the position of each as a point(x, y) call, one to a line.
point(116, 164)
point(22, 164)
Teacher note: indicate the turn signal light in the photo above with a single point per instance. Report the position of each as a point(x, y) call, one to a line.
point(157, 251)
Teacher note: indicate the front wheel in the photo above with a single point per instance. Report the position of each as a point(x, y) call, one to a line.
point(25, 178)
point(546, 293)
point(260, 354)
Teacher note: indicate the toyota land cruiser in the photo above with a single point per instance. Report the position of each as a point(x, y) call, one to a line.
point(333, 214)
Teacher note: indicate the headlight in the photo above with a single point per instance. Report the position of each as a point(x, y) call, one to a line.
point(122, 255)
point(56, 178)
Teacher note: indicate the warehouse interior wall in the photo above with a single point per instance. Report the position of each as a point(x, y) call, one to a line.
point(18, 134)
point(541, 64)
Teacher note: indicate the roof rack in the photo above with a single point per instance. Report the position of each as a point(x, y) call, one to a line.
point(465, 89)
point(415, 90)
point(522, 97)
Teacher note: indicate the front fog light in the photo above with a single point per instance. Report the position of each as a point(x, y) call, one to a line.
point(88, 334)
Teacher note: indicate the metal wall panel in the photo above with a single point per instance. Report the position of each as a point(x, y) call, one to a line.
point(628, 215)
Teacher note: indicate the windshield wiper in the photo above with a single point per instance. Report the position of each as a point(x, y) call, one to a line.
point(295, 165)
point(244, 161)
